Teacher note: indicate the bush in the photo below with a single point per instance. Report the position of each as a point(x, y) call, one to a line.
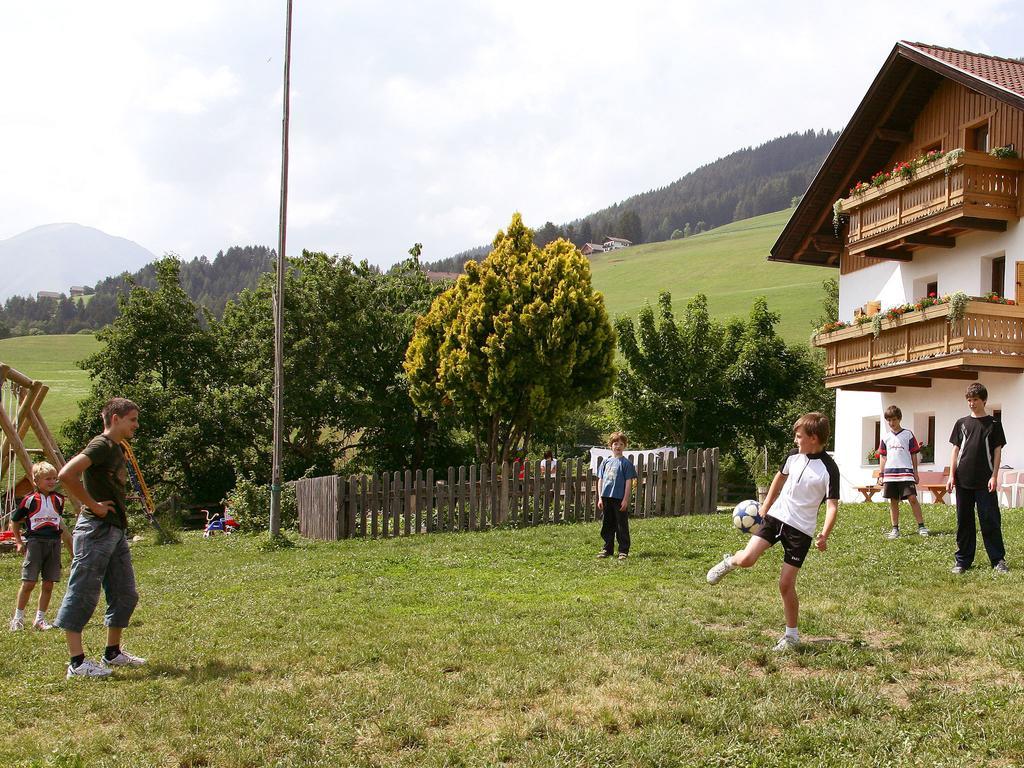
point(249, 502)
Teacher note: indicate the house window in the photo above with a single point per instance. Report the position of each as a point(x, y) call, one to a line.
point(928, 454)
point(998, 275)
point(977, 137)
point(935, 146)
point(932, 288)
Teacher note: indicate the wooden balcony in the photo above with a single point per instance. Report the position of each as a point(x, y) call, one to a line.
point(941, 200)
point(923, 345)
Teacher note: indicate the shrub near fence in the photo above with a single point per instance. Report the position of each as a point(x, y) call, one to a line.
point(484, 496)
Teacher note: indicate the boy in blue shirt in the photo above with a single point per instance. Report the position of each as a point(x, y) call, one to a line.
point(615, 479)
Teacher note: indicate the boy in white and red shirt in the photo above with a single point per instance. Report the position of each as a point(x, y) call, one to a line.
point(42, 512)
point(898, 453)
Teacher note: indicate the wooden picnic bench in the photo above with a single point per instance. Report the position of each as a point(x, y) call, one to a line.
point(933, 482)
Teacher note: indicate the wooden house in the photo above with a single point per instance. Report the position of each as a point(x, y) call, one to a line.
point(943, 128)
point(590, 248)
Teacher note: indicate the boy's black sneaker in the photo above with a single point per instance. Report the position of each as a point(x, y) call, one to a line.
point(1001, 567)
point(957, 570)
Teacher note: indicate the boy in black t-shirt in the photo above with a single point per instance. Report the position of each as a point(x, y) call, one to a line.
point(97, 477)
point(978, 442)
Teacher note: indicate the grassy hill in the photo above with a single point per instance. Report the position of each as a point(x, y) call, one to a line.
point(728, 264)
point(52, 360)
point(518, 648)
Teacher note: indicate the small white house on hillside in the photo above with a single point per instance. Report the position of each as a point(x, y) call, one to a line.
point(614, 243)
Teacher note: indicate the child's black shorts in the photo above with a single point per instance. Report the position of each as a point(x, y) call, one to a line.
point(795, 544)
point(899, 490)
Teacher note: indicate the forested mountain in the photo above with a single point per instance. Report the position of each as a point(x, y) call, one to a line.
point(746, 183)
point(208, 283)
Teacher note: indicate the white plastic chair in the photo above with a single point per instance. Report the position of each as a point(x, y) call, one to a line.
point(1010, 481)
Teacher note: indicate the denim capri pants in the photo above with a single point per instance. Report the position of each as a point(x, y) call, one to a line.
point(102, 559)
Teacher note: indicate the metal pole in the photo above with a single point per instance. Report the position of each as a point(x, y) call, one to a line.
point(275, 477)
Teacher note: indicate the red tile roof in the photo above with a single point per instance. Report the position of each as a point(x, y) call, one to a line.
point(1004, 73)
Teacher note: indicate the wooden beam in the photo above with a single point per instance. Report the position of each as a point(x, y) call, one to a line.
point(867, 387)
point(989, 225)
point(950, 373)
point(826, 244)
point(992, 369)
point(893, 255)
point(893, 135)
point(851, 169)
point(933, 241)
point(908, 381)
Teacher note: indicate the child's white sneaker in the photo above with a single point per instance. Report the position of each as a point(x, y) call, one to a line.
point(17, 624)
point(124, 659)
point(42, 625)
point(922, 530)
point(88, 668)
point(894, 533)
point(786, 643)
point(716, 574)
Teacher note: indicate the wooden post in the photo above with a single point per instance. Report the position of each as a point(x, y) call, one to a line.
point(380, 505)
point(430, 498)
point(590, 491)
point(651, 494)
point(514, 484)
point(352, 507)
point(472, 496)
point(506, 493)
point(718, 458)
point(408, 498)
point(556, 494)
point(446, 522)
point(363, 504)
point(699, 494)
point(396, 504)
point(539, 489)
point(462, 498)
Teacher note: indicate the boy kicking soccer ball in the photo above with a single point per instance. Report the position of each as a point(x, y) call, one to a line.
point(790, 512)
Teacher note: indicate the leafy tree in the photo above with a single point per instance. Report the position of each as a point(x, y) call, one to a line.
point(326, 346)
point(687, 230)
point(696, 380)
point(546, 234)
point(829, 303)
point(158, 354)
point(628, 226)
point(518, 340)
point(677, 234)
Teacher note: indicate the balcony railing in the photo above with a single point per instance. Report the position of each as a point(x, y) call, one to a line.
point(973, 185)
point(988, 335)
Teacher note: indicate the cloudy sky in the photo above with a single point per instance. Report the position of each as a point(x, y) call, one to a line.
point(416, 121)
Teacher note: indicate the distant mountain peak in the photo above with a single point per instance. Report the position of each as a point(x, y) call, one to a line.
point(53, 257)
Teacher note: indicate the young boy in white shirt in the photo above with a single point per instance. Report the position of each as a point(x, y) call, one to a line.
point(790, 511)
point(897, 471)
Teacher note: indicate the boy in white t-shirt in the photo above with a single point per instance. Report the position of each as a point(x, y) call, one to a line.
point(807, 477)
point(897, 471)
point(41, 512)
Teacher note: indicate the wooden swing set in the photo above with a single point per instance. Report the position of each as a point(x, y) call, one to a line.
point(20, 399)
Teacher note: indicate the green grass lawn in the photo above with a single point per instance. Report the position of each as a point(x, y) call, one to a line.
point(517, 647)
point(52, 359)
point(728, 264)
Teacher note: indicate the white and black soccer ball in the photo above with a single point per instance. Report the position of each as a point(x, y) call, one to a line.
point(747, 516)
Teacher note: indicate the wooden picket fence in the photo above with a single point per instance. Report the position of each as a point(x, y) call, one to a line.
point(485, 496)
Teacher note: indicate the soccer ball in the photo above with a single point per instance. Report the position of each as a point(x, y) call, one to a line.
point(747, 516)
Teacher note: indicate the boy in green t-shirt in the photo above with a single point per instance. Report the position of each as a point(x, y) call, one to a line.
point(102, 557)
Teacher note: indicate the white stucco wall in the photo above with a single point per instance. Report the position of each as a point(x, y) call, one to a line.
point(856, 413)
point(965, 268)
